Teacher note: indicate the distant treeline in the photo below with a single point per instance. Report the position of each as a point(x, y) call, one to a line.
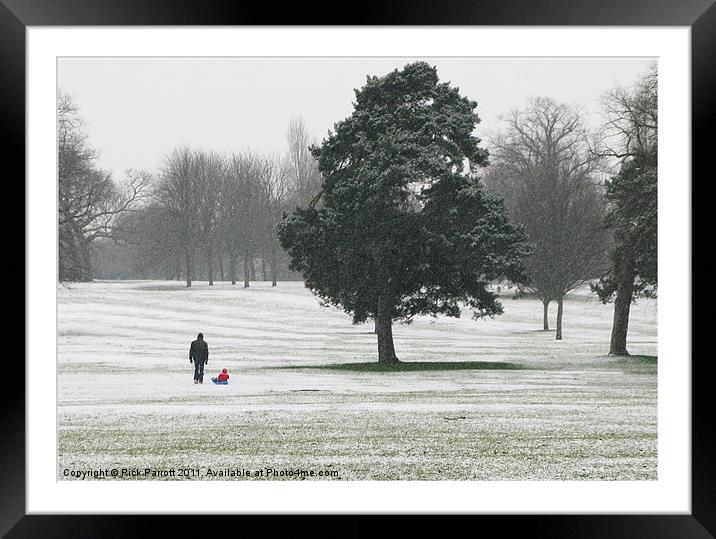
point(203, 216)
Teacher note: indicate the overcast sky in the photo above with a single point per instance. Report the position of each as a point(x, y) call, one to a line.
point(136, 110)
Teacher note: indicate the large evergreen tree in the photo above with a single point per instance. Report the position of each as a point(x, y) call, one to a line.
point(404, 227)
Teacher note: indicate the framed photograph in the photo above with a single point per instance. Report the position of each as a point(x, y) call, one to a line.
point(407, 266)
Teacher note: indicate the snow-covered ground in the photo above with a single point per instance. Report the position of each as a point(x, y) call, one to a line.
point(565, 410)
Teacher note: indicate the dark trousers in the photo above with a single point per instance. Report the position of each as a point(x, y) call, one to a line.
point(199, 371)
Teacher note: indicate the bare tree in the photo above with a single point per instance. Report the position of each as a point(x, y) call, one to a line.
point(209, 174)
point(543, 166)
point(89, 202)
point(228, 214)
point(273, 181)
point(302, 166)
point(632, 119)
point(178, 192)
point(241, 213)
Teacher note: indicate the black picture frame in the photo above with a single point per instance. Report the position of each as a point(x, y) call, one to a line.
point(699, 15)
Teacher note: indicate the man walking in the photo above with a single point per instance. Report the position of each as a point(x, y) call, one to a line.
point(199, 354)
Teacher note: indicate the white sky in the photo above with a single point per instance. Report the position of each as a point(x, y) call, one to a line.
point(136, 110)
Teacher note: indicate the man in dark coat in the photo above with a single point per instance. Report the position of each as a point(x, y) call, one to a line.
point(199, 354)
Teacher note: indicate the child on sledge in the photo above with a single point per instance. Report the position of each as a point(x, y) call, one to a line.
point(222, 378)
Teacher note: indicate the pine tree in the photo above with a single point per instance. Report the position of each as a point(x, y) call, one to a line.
point(633, 217)
point(632, 196)
point(404, 225)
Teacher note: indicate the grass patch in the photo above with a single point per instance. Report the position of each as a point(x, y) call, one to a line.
point(374, 366)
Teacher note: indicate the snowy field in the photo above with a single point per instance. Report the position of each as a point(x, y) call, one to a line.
point(540, 409)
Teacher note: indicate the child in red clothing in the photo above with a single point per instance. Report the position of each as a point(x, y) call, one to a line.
point(223, 377)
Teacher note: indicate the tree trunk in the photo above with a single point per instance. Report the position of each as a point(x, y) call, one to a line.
point(221, 266)
point(210, 264)
point(264, 275)
point(375, 325)
point(545, 317)
point(622, 305)
point(232, 268)
point(274, 267)
point(560, 302)
point(247, 270)
point(187, 261)
point(386, 349)
point(84, 259)
point(74, 254)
